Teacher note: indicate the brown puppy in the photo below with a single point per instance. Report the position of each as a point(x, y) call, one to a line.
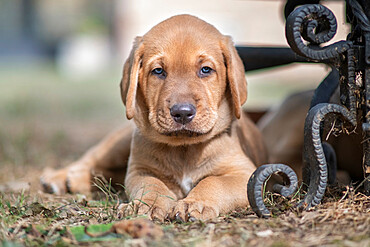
point(192, 150)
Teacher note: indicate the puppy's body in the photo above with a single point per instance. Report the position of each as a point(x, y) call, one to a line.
point(168, 157)
point(203, 179)
point(283, 130)
point(193, 150)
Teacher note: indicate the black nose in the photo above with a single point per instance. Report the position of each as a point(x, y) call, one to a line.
point(183, 113)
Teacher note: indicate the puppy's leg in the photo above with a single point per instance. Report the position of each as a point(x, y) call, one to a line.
point(108, 158)
point(212, 196)
point(148, 196)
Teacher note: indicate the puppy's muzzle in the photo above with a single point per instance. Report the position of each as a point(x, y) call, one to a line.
point(183, 113)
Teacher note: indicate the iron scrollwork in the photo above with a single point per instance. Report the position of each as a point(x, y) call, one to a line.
point(307, 27)
point(315, 24)
point(316, 168)
point(256, 184)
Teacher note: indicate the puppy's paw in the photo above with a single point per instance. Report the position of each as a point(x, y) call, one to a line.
point(54, 181)
point(192, 210)
point(154, 212)
point(75, 178)
point(79, 179)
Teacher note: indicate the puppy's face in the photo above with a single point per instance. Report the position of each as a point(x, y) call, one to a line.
point(183, 83)
point(177, 80)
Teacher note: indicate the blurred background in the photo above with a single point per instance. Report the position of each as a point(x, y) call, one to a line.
point(61, 63)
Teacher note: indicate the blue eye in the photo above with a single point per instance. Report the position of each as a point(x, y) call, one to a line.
point(158, 71)
point(205, 70)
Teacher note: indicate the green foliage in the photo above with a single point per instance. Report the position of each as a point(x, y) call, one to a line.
point(79, 233)
point(5, 243)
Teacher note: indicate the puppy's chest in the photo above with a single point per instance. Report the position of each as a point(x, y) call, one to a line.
point(186, 184)
point(187, 169)
point(189, 179)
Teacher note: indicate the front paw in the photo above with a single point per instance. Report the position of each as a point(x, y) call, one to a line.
point(54, 181)
point(75, 178)
point(192, 210)
point(156, 212)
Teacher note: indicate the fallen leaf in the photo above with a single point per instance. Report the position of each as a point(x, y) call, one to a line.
point(37, 208)
point(136, 228)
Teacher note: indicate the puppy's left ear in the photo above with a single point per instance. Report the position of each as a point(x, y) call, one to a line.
point(129, 82)
point(235, 74)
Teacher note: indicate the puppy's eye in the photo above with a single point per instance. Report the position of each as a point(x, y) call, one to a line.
point(205, 71)
point(159, 72)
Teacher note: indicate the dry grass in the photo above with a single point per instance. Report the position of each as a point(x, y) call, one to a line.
point(54, 127)
point(37, 218)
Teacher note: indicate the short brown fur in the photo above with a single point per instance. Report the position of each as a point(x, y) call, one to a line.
point(186, 171)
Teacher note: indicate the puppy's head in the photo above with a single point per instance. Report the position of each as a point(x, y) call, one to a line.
point(183, 82)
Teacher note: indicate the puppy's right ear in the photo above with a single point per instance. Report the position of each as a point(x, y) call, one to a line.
point(129, 82)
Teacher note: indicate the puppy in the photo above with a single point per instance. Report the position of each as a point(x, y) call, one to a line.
point(192, 148)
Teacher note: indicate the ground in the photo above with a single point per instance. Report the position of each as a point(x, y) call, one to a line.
point(46, 120)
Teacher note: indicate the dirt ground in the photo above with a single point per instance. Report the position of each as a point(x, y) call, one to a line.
point(51, 124)
point(33, 218)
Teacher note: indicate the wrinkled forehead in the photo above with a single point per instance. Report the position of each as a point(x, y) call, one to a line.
point(182, 39)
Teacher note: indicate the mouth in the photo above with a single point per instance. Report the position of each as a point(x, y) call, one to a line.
point(183, 132)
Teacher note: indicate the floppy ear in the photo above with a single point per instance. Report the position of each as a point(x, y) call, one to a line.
point(129, 82)
point(235, 74)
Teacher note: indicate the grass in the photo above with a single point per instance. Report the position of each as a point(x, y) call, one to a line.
point(48, 120)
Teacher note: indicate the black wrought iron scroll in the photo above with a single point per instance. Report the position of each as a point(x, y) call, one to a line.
point(256, 185)
point(307, 27)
